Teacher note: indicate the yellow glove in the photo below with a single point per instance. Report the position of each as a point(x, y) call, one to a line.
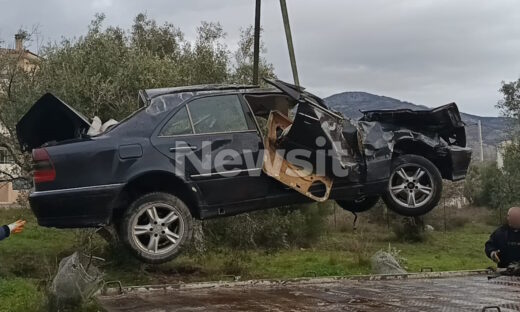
point(17, 227)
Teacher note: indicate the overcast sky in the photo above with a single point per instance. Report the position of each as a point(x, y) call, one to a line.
point(426, 52)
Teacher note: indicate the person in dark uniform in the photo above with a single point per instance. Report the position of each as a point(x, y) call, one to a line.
point(503, 246)
point(13, 228)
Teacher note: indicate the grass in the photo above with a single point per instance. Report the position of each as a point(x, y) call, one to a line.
point(19, 294)
point(30, 259)
point(461, 249)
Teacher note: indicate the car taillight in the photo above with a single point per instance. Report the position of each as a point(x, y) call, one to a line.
point(43, 168)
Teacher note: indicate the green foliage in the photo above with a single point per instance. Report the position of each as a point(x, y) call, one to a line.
point(410, 230)
point(333, 254)
point(483, 184)
point(397, 254)
point(296, 226)
point(101, 72)
point(510, 104)
point(486, 185)
point(243, 71)
point(510, 181)
point(20, 295)
point(507, 188)
point(164, 41)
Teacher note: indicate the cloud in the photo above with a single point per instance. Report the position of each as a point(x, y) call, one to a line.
point(101, 4)
point(427, 52)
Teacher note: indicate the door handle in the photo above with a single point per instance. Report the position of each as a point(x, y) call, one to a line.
point(182, 148)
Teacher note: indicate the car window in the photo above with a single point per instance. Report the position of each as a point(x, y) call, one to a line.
point(217, 114)
point(166, 103)
point(178, 124)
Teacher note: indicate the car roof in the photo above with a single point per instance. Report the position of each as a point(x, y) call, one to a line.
point(209, 88)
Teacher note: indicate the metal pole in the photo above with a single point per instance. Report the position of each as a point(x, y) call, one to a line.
point(480, 140)
point(287, 25)
point(256, 51)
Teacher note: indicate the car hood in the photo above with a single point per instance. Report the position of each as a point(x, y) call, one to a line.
point(49, 120)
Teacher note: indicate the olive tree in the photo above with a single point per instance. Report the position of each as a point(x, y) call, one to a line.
point(100, 72)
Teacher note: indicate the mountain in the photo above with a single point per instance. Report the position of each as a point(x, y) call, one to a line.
point(494, 129)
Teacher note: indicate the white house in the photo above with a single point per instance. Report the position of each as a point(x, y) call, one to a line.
point(28, 61)
point(7, 194)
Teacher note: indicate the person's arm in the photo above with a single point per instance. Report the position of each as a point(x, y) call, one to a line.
point(4, 232)
point(13, 228)
point(493, 246)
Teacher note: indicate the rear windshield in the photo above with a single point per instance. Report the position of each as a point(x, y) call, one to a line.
point(158, 108)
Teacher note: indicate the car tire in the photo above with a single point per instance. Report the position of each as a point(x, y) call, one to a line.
point(358, 205)
point(156, 227)
point(414, 187)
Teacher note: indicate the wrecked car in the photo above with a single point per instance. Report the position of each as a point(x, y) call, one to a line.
point(212, 151)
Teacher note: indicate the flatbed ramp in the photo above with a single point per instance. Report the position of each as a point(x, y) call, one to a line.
point(417, 292)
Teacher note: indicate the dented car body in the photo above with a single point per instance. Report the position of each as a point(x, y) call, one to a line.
point(210, 151)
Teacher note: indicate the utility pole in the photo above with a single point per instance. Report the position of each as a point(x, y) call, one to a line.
point(287, 26)
point(256, 52)
point(480, 141)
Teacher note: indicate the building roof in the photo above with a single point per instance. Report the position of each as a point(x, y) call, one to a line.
point(14, 51)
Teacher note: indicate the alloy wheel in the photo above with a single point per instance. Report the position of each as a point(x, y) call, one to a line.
point(157, 228)
point(411, 185)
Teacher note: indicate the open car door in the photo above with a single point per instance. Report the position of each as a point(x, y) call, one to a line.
point(315, 132)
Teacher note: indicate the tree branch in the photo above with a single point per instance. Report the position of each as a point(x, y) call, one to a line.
point(9, 175)
point(11, 151)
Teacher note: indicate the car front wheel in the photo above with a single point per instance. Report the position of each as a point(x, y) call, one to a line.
point(415, 186)
point(156, 227)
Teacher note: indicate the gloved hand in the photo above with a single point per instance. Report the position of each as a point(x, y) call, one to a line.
point(494, 256)
point(17, 227)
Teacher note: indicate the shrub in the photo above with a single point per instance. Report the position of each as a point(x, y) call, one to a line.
point(410, 230)
point(236, 263)
point(396, 253)
point(297, 226)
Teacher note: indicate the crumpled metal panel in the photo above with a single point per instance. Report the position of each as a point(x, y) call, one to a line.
point(333, 131)
point(277, 167)
point(379, 139)
point(374, 147)
point(376, 141)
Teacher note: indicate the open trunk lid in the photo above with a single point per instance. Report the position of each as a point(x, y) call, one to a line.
point(49, 120)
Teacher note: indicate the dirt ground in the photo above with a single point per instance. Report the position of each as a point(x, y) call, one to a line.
point(470, 293)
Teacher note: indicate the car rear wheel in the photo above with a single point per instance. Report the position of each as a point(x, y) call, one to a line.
point(361, 204)
point(415, 186)
point(156, 227)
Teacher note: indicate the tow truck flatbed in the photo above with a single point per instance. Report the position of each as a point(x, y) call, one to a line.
point(443, 291)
